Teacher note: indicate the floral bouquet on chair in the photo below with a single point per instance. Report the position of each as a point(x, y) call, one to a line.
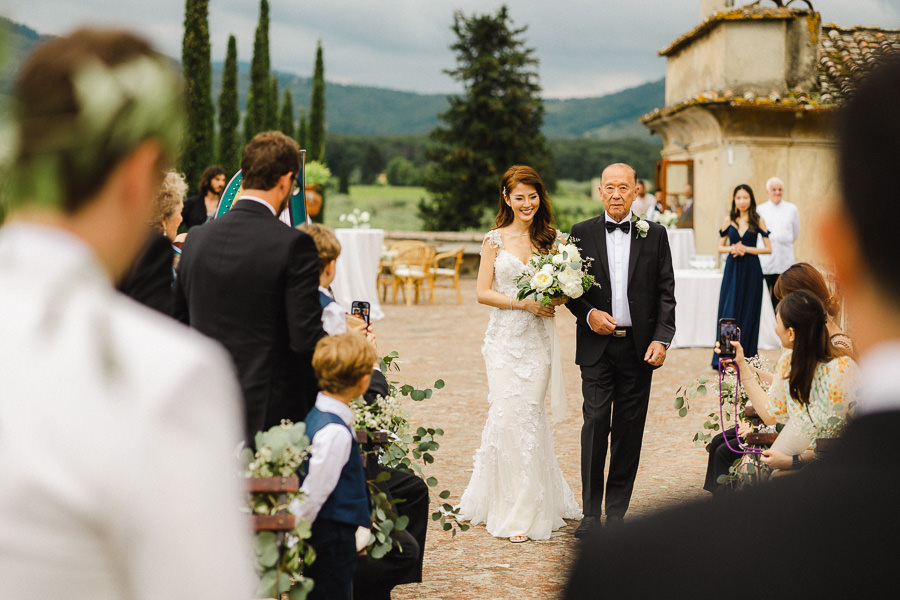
point(560, 272)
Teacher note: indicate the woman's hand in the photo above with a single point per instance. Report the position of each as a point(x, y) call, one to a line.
point(777, 459)
point(738, 249)
point(744, 428)
point(738, 354)
point(559, 300)
point(536, 308)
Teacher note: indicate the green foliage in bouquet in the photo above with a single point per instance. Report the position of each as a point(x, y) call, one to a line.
point(281, 557)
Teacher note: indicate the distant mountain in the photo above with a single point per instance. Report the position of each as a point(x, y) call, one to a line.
point(362, 110)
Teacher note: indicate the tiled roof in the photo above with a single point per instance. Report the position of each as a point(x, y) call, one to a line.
point(847, 53)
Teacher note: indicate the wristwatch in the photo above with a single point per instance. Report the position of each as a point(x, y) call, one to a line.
point(796, 463)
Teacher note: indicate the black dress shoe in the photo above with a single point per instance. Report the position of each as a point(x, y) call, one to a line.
point(588, 524)
point(615, 520)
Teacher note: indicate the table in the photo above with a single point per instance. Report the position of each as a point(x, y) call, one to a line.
point(697, 308)
point(681, 241)
point(357, 268)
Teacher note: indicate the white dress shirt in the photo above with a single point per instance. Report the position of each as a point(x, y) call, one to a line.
point(334, 318)
point(618, 250)
point(119, 425)
point(880, 390)
point(330, 451)
point(783, 223)
point(259, 201)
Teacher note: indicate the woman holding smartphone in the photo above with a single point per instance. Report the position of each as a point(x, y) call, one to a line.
point(812, 386)
point(740, 296)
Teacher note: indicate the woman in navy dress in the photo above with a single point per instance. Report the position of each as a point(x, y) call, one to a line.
point(741, 294)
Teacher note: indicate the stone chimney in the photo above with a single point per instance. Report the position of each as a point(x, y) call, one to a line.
point(711, 7)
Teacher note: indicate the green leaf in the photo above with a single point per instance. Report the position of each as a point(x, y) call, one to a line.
point(380, 550)
point(301, 589)
point(269, 556)
point(439, 384)
point(683, 412)
point(406, 389)
point(447, 526)
point(702, 379)
point(445, 494)
point(401, 523)
point(679, 402)
point(421, 431)
point(267, 583)
point(436, 516)
point(284, 583)
point(428, 392)
point(263, 540)
point(463, 527)
point(432, 481)
point(417, 395)
point(701, 389)
point(383, 476)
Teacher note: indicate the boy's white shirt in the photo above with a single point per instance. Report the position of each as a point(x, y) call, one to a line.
point(334, 317)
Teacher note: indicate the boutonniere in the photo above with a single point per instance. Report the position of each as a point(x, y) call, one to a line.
point(640, 226)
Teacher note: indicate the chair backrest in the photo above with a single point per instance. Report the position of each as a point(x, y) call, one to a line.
point(409, 258)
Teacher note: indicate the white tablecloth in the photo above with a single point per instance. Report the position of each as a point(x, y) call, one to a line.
point(681, 241)
point(697, 307)
point(357, 268)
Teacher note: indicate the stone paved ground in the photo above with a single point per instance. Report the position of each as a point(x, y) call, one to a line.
point(444, 341)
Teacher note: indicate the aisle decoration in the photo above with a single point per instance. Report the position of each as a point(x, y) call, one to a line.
point(280, 557)
point(562, 272)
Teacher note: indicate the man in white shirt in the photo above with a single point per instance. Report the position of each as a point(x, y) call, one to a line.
point(117, 425)
point(845, 506)
point(783, 221)
point(644, 204)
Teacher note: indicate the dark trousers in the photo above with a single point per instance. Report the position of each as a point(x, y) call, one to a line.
point(721, 459)
point(412, 495)
point(770, 283)
point(375, 579)
point(616, 392)
point(332, 571)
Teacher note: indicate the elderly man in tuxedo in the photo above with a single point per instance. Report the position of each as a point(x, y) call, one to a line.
point(831, 530)
point(251, 282)
point(625, 325)
point(117, 425)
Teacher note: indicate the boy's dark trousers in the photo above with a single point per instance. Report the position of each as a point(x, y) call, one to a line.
point(332, 571)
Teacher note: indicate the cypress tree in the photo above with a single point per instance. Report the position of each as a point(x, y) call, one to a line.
point(495, 124)
point(260, 86)
point(303, 130)
point(197, 150)
point(272, 106)
point(317, 109)
point(287, 114)
point(229, 116)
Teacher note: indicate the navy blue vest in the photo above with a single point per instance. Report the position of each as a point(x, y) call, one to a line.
point(324, 300)
point(349, 502)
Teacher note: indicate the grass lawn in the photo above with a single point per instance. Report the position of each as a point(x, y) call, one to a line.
point(396, 207)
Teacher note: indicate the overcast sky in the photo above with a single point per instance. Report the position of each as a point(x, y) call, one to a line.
point(585, 47)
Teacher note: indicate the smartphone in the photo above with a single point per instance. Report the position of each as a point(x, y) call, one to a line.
point(728, 332)
point(360, 308)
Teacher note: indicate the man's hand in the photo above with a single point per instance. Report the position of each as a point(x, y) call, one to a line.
point(656, 354)
point(601, 322)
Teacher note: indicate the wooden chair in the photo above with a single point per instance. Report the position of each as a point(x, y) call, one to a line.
point(410, 267)
point(385, 277)
point(446, 272)
point(283, 521)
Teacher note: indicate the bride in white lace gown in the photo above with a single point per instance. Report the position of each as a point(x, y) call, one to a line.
point(517, 489)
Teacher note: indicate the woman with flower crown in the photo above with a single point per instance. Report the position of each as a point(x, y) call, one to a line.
point(517, 489)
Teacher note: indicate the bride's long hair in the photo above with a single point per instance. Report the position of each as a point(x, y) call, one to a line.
point(542, 232)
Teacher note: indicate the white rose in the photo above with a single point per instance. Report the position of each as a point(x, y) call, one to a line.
point(573, 290)
point(558, 259)
point(570, 277)
point(642, 226)
point(572, 252)
point(541, 280)
point(548, 269)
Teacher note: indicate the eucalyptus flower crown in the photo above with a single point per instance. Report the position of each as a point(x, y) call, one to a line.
point(118, 108)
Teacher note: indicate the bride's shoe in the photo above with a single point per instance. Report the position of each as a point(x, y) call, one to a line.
point(518, 539)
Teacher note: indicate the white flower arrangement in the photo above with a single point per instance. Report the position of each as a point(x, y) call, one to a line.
point(561, 272)
point(667, 218)
point(357, 218)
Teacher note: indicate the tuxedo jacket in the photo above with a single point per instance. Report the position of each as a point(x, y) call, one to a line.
point(251, 282)
point(829, 531)
point(651, 289)
point(194, 211)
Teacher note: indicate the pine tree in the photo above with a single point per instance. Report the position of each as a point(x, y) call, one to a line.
point(229, 116)
point(303, 130)
point(272, 106)
point(260, 86)
point(495, 124)
point(317, 109)
point(197, 150)
point(287, 114)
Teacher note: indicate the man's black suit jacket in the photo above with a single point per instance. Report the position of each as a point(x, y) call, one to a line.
point(651, 289)
point(830, 531)
point(194, 211)
point(251, 282)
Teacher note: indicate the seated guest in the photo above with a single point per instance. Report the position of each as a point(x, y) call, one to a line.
point(403, 564)
point(337, 501)
point(812, 389)
point(150, 279)
point(801, 276)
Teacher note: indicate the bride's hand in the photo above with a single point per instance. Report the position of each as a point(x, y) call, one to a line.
point(539, 309)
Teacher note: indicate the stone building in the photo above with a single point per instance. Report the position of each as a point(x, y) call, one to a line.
point(751, 93)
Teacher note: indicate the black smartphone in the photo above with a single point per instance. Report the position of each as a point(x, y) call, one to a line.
point(728, 332)
point(360, 308)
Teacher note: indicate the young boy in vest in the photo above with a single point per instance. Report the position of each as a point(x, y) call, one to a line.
point(334, 318)
point(337, 500)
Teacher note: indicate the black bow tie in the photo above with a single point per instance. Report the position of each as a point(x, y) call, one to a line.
point(624, 226)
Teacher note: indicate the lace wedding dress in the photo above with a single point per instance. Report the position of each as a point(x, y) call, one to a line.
point(517, 487)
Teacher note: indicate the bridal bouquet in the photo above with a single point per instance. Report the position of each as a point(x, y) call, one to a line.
point(561, 272)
